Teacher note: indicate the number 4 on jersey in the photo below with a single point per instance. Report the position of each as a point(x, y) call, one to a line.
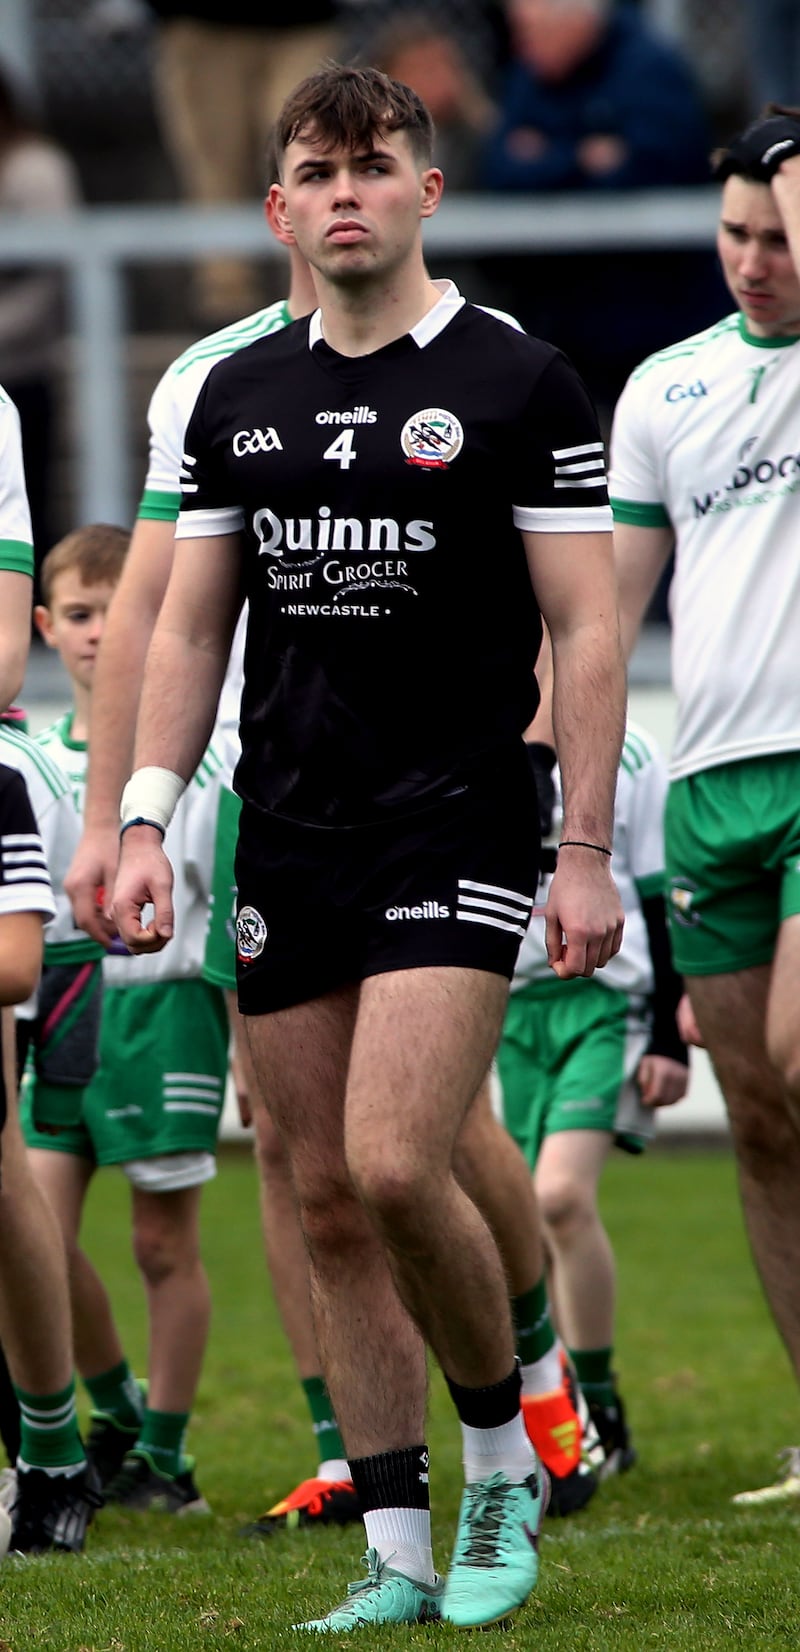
point(342, 450)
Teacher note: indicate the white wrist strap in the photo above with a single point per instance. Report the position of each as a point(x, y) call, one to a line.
point(151, 795)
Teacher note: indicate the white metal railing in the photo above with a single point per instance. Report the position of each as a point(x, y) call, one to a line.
point(96, 244)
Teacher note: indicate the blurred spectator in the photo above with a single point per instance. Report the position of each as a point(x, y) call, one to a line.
point(773, 40)
point(424, 52)
point(35, 176)
point(594, 99)
point(224, 68)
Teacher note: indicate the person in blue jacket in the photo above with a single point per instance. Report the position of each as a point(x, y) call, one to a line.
point(594, 99)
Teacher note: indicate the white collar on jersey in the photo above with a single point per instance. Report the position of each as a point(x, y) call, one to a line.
point(432, 324)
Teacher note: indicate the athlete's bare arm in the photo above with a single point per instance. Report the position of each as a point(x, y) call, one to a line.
point(641, 555)
point(190, 646)
point(15, 632)
point(117, 685)
point(573, 577)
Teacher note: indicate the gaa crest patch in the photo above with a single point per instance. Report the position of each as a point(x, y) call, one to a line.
point(432, 438)
point(251, 934)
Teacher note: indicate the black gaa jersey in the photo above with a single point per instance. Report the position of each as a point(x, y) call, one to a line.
point(393, 630)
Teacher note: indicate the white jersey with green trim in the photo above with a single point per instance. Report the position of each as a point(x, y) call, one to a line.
point(60, 830)
point(706, 438)
point(16, 537)
point(637, 865)
point(189, 844)
point(170, 409)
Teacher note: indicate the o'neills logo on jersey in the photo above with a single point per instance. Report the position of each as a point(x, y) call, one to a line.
point(431, 438)
point(428, 909)
point(324, 532)
point(356, 415)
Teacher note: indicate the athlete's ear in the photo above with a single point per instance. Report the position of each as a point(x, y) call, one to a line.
point(44, 624)
point(277, 215)
point(432, 187)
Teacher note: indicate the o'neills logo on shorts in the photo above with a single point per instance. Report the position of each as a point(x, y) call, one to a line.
point(428, 909)
point(251, 934)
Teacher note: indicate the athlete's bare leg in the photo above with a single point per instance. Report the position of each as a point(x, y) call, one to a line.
point(65, 1178)
point(284, 1245)
point(731, 1012)
point(493, 1171)
point(281, 1233)
point(582, 1268)
point(166, 1245)
point(376, 1381)
point(35, 1329)
point(783, 1012)
point(422, 1044)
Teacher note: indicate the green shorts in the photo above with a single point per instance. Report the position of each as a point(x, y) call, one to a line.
point(160, 1085)
point(219, 963)
point(567, 1061)
point(732, 842)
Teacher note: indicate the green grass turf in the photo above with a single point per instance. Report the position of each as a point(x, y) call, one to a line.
point(659, 1560)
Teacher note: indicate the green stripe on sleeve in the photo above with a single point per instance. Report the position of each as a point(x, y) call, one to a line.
point(159, 507)
point(640, 515)
point(16, 556)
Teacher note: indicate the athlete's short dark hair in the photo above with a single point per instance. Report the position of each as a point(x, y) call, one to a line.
point(348, 107)
point(742, 157)
point(96, 553)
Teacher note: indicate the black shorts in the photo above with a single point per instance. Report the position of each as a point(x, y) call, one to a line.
point(449, 884)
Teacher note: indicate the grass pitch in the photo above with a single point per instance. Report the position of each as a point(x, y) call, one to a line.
point(659, 1560)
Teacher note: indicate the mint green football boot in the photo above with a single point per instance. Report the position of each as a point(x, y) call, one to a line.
point(495, 1561)
point(384, 1596)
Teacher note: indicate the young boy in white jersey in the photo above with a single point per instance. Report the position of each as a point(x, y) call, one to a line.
point(583, 1063)
point(54, 1497)
point(153, 1107)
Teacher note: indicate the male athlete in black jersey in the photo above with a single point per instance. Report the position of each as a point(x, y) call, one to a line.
point(399, 485)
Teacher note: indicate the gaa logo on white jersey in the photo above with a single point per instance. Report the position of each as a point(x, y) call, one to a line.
point(257, 441)
point(251, 935)
point(432, 438)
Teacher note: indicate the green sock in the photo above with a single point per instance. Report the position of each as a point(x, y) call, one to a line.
point(162, 1435)
point(326, 1428)
point(117, 1394)
point(593, 1370)
point(531, 1314)
point(49, 1435)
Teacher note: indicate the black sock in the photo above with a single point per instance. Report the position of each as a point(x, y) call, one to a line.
point(488, 1407)
point(392, 1479)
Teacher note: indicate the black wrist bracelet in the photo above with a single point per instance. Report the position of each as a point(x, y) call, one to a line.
point(141, 821)
point(578, 843)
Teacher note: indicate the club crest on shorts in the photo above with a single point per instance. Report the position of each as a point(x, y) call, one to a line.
point(431, 438)
point(251, 934)
point(681, 902)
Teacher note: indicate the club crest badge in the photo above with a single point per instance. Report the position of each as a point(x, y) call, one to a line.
point(432, 438)
point(251, 934)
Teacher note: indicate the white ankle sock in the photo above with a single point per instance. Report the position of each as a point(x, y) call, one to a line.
point(402, 1538)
